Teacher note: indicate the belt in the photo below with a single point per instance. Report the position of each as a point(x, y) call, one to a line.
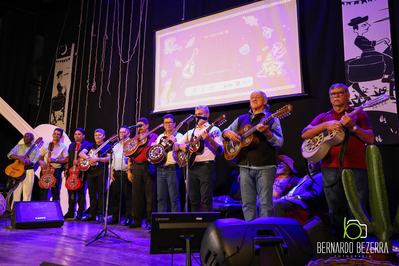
point(120, 170)
point(168, 166)
point(143, 162)
point(204, 162)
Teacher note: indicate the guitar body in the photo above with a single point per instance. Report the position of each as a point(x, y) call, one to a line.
point(316, 148)
point(132, 147)
point(235, 152)
point(156, 154)
point(198, 148)
point(16, 169)
point(47, 180)
point(84, 164)
point(73, 182)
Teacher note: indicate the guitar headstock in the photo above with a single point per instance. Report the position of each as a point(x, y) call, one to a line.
point(188, 119)
point(284, 111)
point(113, 138)
point(379, 100)
point(39, 142)
point(51, 146)
point(220, 120)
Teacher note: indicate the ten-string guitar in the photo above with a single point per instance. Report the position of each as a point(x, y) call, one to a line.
point(197, 144)
point(235, 151)
point(73, 182)
point(84, 164)
point(17, 168)
point(47, 180)
point(133, 146)
point(156, 154)
point(316, 148)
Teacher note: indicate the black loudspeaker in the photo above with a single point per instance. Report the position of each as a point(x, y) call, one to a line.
point(319, 234)
point(263, 241)
point(37, 214)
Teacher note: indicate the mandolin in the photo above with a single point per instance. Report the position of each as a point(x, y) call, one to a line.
point(73, 182)
point(156, 154)
point(316, 148)
point(84, 164)
point(197, 144)
point(133, 146)
point(17, 168)
point(235, 152)
point(47, 180)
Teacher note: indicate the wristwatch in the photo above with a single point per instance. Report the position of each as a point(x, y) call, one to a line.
point(354, 128)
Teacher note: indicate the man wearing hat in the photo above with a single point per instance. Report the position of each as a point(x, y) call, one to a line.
point(285, 179)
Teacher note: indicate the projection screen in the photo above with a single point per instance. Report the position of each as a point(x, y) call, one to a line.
point(222, 58)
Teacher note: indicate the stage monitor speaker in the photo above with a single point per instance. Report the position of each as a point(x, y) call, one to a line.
point(37, 214)
point(319, 233)
point(263, 241)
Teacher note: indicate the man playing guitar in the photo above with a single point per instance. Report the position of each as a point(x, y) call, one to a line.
point(360, 133)
point(143, 177)
point(96, 174)
point(78, 194)
point(202, 173)
point(258, 166)
point(59, 156)
point(168, 175)
point(17, 153)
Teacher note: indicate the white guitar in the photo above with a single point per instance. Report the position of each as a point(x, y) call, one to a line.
point(316, 148)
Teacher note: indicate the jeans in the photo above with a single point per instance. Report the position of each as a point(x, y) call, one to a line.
point(257, 181)
point(168, 181)
point(336, 198)
point(201, 179)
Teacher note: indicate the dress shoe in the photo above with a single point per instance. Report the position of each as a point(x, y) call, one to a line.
point(148, 227)
point(68, 215)
point(135, 225)
point(128, 222)
point(100, 219)
point(114, 221)
point(78, 217)
point(89, 218)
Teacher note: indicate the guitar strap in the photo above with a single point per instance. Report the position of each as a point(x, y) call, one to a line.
point(340, 160)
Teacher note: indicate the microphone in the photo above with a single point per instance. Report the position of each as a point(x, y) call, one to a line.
point(201, 117)
point(134, 126)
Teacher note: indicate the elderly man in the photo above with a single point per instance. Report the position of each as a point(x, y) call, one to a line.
point(304, 196)
point(257, 166)
point(285, 177)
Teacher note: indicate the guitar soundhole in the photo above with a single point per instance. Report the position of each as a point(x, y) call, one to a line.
point(232, 148)
point(156, 152)
point(47, 181)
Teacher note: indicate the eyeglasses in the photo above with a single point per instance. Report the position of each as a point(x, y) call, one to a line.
point(168, 123)
point(337, 93)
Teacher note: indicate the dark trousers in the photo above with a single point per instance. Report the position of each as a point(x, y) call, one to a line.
point(76, 196)
point(201, 179)
point(96, 186)
point(55, 190)
point(281, 206)
point(121, 184)
point(144, 185)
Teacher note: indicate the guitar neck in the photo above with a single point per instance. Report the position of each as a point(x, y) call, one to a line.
point(27, 154)
point(99, 148)
point(197, 139)
point(252, 130)
point(149, 133)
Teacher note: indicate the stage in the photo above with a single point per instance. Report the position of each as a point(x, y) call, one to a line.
point(66, 246)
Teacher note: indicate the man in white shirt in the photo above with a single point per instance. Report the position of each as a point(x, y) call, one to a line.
point(202, 173)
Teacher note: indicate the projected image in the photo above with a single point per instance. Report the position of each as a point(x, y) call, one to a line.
point(222, 58)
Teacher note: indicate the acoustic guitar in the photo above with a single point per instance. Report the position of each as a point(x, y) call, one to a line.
point(133, 146)
point(156, 154)
point(74, 182)
point(47, 180)
point(235, 152)
point(17, 168)
point(197, 144)
point(84, 164)
point(316, 148)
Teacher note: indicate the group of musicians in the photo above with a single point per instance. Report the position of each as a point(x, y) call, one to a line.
point(145, 185)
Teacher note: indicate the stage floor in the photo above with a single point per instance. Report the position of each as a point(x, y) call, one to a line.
point(66, 246)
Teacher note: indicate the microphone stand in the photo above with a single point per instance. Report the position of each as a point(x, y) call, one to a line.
point(104, 232)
